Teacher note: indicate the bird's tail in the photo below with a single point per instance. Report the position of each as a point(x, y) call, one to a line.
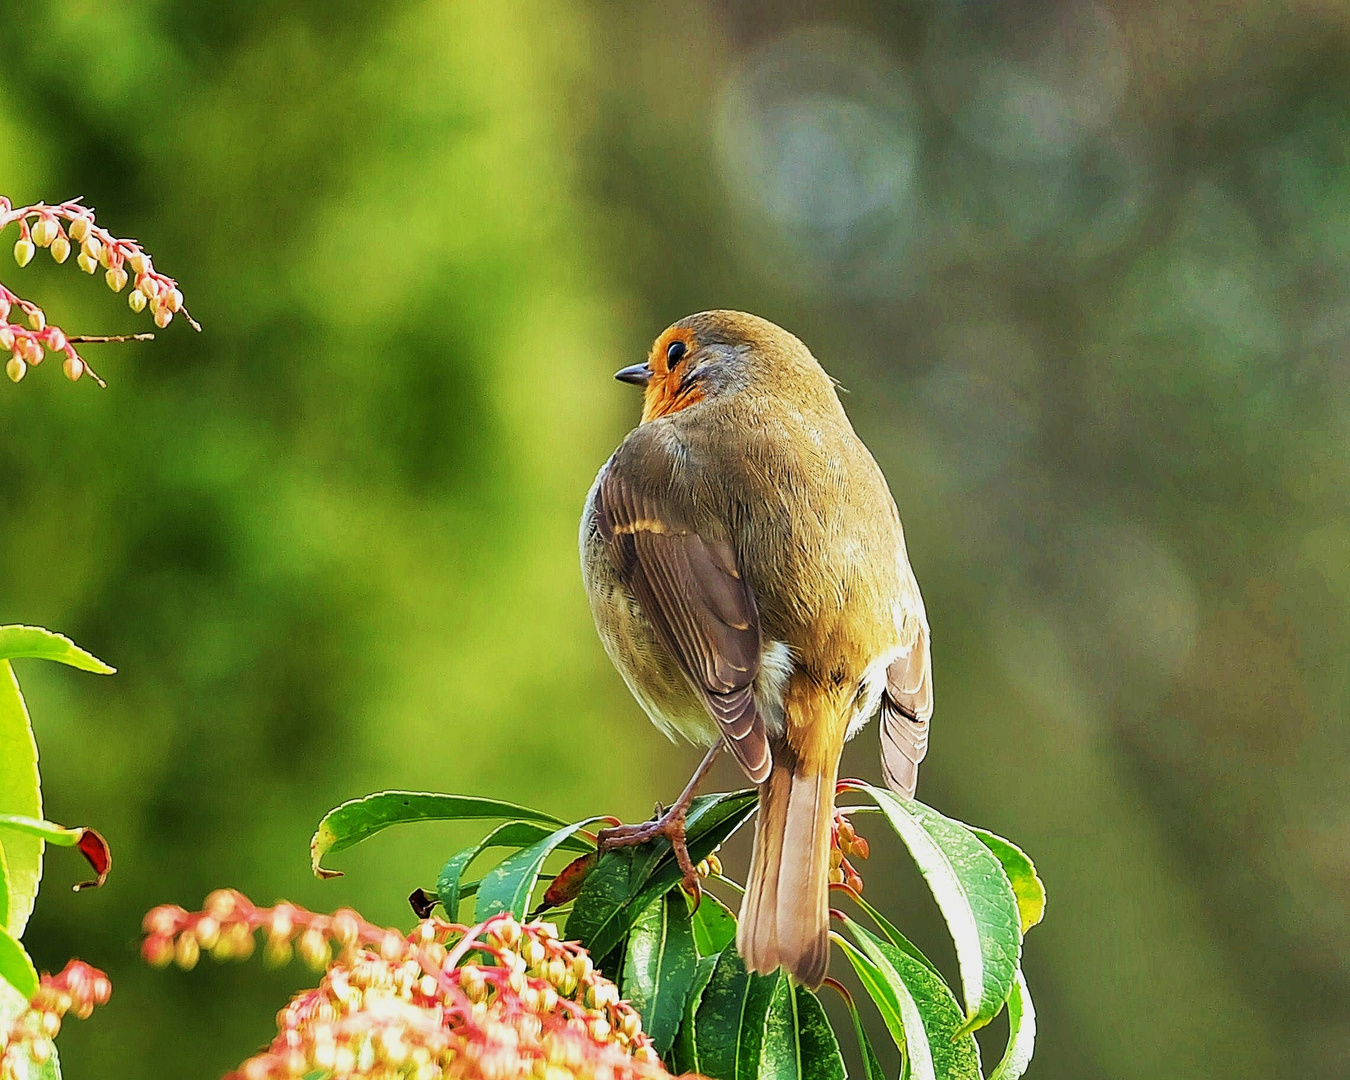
point(784, 917)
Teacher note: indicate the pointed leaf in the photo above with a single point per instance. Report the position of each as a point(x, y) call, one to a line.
point(509, 885)
point(1026, 883)
point(1021, 1033)
point(684, 1054)
point(4, 888)
point(975, 896)
point(360, 819)
point(39, 644)
point(15, 967)
point(935, 1044)
point(871, 1066)
point(799, 1043)
point(884, 995)
point(90, 842)
point(514, 834)
point(714, 926)
point(731, 1019)
point(19, 794)
point(659, 967)
point(625, 881)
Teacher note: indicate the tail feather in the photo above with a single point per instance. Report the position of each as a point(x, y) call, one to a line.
point(784, 919)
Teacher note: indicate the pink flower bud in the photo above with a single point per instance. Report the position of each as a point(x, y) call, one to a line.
point(163, 316)
point(6, 338)
point(174, 300)
point(56, 340)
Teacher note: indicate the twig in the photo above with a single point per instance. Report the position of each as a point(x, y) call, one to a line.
point(85, 339)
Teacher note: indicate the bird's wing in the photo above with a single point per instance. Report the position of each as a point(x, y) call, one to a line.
point(691, 591)
point(906, 709)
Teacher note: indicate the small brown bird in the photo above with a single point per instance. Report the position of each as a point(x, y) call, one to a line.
point(747, 573)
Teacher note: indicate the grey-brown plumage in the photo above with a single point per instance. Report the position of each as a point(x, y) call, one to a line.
point(747, 573)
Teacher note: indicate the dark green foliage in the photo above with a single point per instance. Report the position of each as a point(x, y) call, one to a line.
point(679, 967)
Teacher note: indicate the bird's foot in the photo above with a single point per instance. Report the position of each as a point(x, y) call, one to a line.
point(669, 825)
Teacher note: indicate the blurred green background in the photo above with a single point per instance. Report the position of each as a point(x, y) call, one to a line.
point(1085, 269)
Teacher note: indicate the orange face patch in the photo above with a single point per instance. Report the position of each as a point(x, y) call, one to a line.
point(668, 392)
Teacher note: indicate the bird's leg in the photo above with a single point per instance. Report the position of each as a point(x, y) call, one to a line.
point(669, 824)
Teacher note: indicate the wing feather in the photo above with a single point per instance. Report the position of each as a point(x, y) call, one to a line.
point(690, 590)
point(906, 712)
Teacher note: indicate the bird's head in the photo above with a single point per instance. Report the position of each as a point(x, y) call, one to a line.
point(717, 353)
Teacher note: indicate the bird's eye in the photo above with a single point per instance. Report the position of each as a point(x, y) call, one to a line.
point(674, 351)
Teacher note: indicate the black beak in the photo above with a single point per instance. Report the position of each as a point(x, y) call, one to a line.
point(637, 374)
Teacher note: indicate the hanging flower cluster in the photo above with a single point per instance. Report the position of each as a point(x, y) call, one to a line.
point(58, 229)
point(28, 1040)
point(491, 1002)
point(844, 841)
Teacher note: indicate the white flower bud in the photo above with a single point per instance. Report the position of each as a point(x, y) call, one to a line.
point(16, 369)
point(73, 368)
point(116, 278)
point(79, 229)
point(86, 262)
point(60, 249)
point(44, 232)
point(136, 300)
point(24, 251)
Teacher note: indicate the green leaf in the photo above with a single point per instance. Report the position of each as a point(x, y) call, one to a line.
point(509, 885)
point(731, 1019)
point(19, 794)
point(935, 1043)
point(659, 967)
point(90, 842)
point(1026, 883)
point(884, 996)
point(15, 967)
point(349, 824)
point(684, 1054)
point(714, 926)
point(799, 1043)
point(34, 642)
point(871, 1066)
point(514, 834)
point(1021, 1033)
point(4, 888)
point(625, 881)
point(975, 896)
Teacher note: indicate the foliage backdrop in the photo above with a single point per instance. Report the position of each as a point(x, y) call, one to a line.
point(1086, 269)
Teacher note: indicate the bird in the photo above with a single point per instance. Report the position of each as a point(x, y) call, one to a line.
point(747, 573)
